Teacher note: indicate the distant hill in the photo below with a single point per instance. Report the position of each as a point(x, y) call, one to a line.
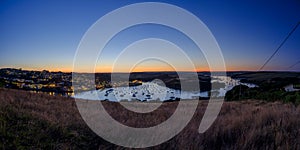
point(267, 76)
point(39, 121)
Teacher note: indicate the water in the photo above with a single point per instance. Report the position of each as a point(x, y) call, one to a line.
point(152, 91)
point(229, 84)
point(147, 91)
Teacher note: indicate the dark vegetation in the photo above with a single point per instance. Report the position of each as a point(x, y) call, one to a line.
point(242, 92)
point(2, 83)
point(270, 87)
point(39, 121)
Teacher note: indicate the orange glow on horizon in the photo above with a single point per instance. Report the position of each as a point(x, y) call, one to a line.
point(136, 69)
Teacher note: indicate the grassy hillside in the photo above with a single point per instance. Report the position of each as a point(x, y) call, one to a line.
point(39, 121)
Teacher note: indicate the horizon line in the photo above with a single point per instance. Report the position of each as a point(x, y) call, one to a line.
point(150, 71)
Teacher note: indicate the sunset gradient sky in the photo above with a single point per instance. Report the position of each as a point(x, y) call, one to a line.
point(44, 34)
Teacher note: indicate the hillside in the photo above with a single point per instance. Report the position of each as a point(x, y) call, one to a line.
point(39, 121)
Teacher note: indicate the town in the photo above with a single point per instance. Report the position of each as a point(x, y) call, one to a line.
point(60, 83)
point(38, 81)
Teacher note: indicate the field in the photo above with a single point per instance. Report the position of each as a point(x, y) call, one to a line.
point(39, 121)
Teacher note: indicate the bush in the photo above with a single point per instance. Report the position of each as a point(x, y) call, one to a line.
point(270, 95)
point(236, 93)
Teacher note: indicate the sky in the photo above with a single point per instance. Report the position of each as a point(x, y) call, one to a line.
point(45, 34)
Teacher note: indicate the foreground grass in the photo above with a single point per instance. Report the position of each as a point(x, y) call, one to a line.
point(39, 121)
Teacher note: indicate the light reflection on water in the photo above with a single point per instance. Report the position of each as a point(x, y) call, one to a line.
point(151, 91)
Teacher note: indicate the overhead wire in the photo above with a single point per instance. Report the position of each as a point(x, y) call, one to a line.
point(294, 64)
point(282, 43)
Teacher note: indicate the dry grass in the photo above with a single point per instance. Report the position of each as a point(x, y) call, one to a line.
point(247, 124)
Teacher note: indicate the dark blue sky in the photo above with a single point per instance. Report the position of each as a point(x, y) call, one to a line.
point(40, 34)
